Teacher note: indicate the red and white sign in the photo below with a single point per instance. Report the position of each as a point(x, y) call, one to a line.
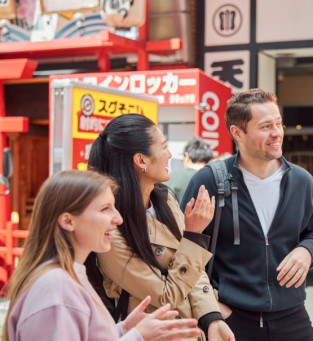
point(191, 87)
point(174, 87)
point(210, 122)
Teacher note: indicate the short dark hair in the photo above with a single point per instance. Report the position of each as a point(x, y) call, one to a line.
point(198, 150)
point(238, 112)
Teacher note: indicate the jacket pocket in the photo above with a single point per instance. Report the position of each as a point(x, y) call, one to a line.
point(250, 295)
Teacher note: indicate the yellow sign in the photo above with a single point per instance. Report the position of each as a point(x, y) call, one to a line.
point(93, 109)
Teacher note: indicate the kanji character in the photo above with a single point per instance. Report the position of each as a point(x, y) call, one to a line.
point(228, 71)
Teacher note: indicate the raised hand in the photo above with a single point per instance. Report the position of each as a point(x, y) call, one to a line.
point(136, 315)
point(155, 327)
point(199, 212)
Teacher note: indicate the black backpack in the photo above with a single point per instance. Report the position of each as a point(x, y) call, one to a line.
point(226, 186)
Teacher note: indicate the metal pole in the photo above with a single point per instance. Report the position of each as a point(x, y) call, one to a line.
point(5, 201)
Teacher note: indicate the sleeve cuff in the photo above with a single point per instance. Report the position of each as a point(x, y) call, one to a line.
point(307, 246)
point(198, 238)
point(205, 320)
point(120, 329)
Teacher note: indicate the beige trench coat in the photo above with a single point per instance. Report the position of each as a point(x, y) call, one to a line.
point(186, 287)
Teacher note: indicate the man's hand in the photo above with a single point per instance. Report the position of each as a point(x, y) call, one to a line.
point(219, 331)
point(294, 267)
point(225, 310)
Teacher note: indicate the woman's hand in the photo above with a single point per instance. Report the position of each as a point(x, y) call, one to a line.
point(155, 327)
point(219, 331)
point(136, 315)
point(199, 213)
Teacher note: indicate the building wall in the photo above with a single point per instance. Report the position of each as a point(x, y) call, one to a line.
point(296, 90)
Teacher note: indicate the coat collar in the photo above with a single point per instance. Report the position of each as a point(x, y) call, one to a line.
point(159, 234)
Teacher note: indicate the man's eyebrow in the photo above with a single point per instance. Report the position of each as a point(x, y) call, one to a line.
point(270, 120)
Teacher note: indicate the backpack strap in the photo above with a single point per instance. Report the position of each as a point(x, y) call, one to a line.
point(214, 238)
point(220, 172)
point(226, 186)
point(234, 199)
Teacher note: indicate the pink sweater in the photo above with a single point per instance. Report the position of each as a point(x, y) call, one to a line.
point(56, 308)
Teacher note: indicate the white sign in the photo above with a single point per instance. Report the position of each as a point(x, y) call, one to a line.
point(57, 6)
point(284, 20)
point(227, 22)
point(231, 67)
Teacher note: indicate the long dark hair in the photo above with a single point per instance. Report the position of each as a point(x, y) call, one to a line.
point(112, 153)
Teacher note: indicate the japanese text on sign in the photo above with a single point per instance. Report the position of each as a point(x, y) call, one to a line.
point(167, 87)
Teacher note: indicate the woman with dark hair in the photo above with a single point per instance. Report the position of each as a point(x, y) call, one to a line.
point(157, 251)
point(50, 296)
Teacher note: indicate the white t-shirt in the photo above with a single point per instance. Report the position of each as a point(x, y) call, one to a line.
point(151, 210)
point(264, 194)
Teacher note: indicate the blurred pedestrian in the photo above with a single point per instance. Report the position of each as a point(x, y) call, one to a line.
point(197, 153)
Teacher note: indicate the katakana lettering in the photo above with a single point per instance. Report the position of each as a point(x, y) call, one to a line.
point(106, 82)
point(137, 84)
point(171, 83)
point(122, 81)
point(103, 105)
point(113, 105)
point(122, 108)
point(153, 84)
point(133, 109)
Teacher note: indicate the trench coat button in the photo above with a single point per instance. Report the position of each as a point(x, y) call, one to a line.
point(171, 262)
point(205, 288)
point(183, 270)
point(158, 251)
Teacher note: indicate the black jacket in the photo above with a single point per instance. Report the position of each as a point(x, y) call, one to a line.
point(245, 275)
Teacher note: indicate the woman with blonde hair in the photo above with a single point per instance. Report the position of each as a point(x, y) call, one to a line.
point(157, 251)
point(50, 295)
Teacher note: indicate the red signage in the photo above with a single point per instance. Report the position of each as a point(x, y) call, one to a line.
point(210, 122)
point(190, 87)
point(171, 87)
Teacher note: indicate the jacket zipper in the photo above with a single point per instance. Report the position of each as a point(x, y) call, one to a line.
point(265, 237)
point(261, 320)
point(266, 244)
point(268, 288)
point(266, 249)
point(267, 284)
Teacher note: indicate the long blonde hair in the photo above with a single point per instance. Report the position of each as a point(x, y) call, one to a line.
point(66, 191)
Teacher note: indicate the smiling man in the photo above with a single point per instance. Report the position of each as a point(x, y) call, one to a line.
point(261, 281)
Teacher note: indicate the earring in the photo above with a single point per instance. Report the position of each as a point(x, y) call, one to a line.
point(144, 169)
point(71, 228)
